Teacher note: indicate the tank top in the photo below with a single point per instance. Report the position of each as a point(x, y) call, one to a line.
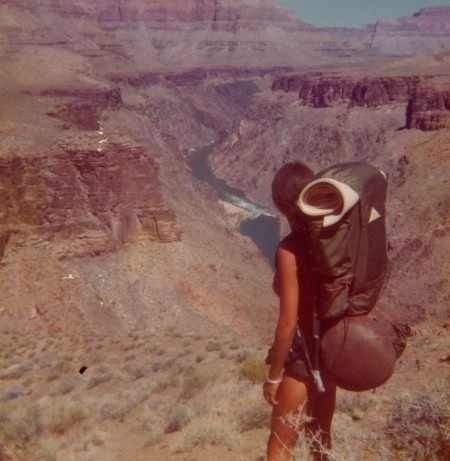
point(296, 242)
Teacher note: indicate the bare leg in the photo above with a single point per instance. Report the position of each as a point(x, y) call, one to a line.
point(321, 409)
point(292, 397)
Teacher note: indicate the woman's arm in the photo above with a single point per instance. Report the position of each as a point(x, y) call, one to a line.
point(287, 321)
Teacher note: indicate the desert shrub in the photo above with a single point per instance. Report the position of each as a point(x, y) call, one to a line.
point(98, 379)
point(177, 419)
point(354, 404)
point(46, 450)
point(202, 432)
point(254, 415)
point(97, 440)
point(114, 409)
point(136, 371)
point(166, 383)
point(118, 406)
point(63, 366)
point(61, 416)
point(13, 392)
point(52, 376)
point(253, 368)
point(150, 349)
point(64, 387)
point(195, 380)
point(419, 426)
point(213, 346)
point(167, 364)
point(199, 358)
point(20, 423)
point(16, 371)
point(153, 438)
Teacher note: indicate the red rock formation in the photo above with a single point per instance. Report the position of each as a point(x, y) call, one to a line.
point(86, 110)
point(429, 109)
point(85, 202)
point(325, 91)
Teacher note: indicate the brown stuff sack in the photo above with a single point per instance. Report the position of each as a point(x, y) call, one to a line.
point(360, 352)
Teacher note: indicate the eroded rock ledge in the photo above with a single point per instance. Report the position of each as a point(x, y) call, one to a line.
point(84, 107)
point(428, 106)
point(429, 110)
point(83, 202)
point(326, 91)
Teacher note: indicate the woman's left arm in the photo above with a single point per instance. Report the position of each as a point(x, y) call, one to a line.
point(287, 321)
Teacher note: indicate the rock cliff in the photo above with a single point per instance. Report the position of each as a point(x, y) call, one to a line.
point(83, 202)
point(429, 109)
point(426, 98)
point(327, 91)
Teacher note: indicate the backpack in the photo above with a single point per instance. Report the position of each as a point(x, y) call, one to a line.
point(344, 211)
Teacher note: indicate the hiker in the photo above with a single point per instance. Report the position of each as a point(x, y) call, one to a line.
point(290, 386)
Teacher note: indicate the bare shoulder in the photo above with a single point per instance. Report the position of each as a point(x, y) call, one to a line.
point(287, 251)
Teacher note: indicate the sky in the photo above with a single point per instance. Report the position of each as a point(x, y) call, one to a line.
point(356, 12)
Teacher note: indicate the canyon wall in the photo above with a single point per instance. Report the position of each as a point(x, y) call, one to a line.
point(429, 110)
point(426, 97)
point(83, 202)
point(326, 91)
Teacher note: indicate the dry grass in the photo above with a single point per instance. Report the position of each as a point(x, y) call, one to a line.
point(178, 418)
point(20, 423)
point(419, 426)
point(253, 368)
point(62, 415)
point(196, 380)
point(204, 431)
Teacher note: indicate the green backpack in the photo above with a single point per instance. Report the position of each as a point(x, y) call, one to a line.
point(344, 210)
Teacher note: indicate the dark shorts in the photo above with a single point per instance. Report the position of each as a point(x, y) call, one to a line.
point(296, 365)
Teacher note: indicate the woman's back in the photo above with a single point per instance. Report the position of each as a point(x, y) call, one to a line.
point(296, 243)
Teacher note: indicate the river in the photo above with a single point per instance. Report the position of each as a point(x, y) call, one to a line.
point(263, 227)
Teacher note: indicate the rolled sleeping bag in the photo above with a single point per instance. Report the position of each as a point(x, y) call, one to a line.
point(358, 352)
point(327, 198)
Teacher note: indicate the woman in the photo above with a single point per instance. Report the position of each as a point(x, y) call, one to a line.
point(289, 387)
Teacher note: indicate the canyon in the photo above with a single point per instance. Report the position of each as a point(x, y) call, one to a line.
point(138, 142)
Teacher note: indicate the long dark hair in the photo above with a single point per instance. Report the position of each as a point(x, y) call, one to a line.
point(287, 185)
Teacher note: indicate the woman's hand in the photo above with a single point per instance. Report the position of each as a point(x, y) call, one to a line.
point(270, 393)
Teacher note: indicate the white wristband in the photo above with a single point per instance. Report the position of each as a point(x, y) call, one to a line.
point(274, 381)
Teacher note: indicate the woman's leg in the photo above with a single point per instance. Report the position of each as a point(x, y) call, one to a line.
point(288, 418)
point(321, 409)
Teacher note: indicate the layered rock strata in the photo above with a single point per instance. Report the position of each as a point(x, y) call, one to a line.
point(83, 202)
point(318, 90)
point(429, 109)
point(85, 111)
point(427, 31)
